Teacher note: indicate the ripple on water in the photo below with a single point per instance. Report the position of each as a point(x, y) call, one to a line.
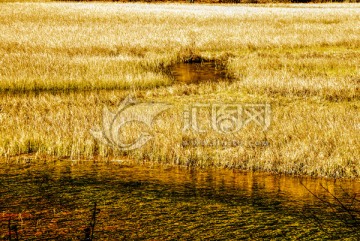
point(54, 200)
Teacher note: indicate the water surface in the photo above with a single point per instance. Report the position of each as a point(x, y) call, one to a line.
point(54, 200)
point(195, 73)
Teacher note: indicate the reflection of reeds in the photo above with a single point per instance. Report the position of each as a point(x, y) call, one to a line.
point(12, 229)
point(89, 231)
point(127, 194)
point(343, 212)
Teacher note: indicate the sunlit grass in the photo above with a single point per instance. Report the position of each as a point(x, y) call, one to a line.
point(106, 45)
point(303, 60)
point(306, 137)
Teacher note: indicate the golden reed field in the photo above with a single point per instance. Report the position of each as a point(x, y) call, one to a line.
point(62, 63)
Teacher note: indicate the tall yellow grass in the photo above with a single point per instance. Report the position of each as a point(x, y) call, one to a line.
point(302, 59)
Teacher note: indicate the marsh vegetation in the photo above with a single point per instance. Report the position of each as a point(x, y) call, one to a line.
point(61, 63)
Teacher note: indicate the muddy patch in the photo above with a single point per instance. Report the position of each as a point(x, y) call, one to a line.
point(195, 72)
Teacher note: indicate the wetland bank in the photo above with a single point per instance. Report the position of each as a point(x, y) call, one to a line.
point(61, 64)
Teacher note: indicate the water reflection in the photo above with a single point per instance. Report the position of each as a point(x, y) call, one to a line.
point(53, 200)
point(196, 73)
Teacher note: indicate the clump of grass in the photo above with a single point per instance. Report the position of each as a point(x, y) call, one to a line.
point(317, 138)
point(329, 74)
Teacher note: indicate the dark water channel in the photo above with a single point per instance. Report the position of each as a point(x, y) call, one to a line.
point(195, 73)
point(55, 201)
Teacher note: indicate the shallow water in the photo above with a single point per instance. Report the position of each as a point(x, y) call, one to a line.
point(55, 201)
point(195, 73)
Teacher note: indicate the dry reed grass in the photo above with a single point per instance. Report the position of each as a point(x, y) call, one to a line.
point(303, 60)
